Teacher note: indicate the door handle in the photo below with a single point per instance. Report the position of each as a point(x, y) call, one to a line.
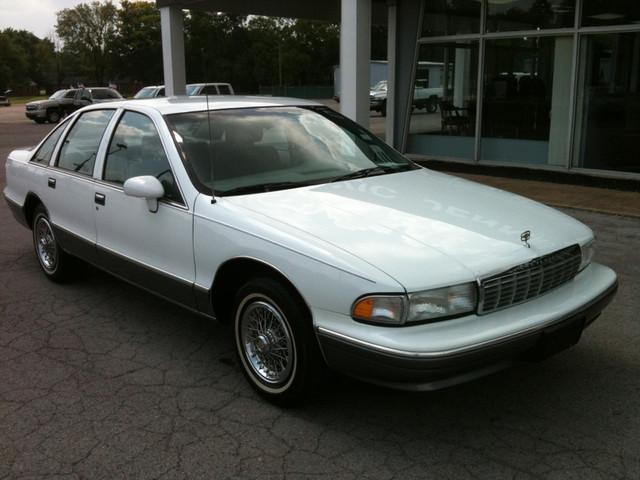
point(51, 182)
point(100, 198)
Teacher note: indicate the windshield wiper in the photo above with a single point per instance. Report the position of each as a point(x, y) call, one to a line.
point(262, 187)
point(370, 172)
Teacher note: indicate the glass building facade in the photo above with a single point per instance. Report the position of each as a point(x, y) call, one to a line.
point(545, 83)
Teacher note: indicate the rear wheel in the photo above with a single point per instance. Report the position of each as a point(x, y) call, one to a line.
point(53, 116)
point(39, 121)
point(383, 109)
point(275, 343)
point(56, 264)
point(432, 105)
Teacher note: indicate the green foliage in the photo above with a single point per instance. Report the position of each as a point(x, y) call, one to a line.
point(25, 60)
point(101, 41)
point(88, 31)
point(138, 49)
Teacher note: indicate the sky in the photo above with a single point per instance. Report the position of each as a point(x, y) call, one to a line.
point(37, 16)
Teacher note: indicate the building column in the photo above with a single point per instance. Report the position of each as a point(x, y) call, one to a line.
point(355, 60)
point(391, 70)
point(172, 24)
point(405, 56)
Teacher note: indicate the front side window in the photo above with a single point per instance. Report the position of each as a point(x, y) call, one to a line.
point(78, 153)
point(43, 155)
point(70, 94)
point(136, 150)
point(262, 149)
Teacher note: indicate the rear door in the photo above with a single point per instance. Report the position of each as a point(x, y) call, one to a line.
point(70, 183)
point(151, 249)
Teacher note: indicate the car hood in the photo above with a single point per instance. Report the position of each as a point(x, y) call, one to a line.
point(423, 228)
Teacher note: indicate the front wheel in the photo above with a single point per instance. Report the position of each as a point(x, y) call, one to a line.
point(275, 342)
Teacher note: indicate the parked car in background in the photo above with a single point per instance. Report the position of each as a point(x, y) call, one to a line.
point(152, 91)
point(194, 89)
point(423, 97)
point(91, 95)
point(64, 102)
point(315, 240)
point(52, 109)
point(4, 99)
point(378, 97)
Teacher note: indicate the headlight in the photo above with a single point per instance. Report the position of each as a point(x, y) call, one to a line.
point(587, 250)
point(442, 302)
point(416, 307)
point(380, 309)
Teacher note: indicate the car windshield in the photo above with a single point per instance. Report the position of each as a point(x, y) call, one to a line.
point(146, 92)
point(57, 95)
point(262, 149)
point(381, 85)
point(191, 89)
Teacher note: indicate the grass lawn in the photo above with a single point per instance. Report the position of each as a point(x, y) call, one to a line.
point(23, 100)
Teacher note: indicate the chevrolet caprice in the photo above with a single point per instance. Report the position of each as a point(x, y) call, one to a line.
point(319, 244)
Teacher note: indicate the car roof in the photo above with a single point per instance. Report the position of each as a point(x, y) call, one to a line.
point(184, 104)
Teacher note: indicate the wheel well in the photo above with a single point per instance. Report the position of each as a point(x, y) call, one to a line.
point(233, 274)
point(30, 204)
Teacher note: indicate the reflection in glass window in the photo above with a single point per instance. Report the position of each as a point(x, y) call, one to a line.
point(525, 114)
point(443, 120)
point(43, 155)
point(610, 12)
point(136, 150)
point(451, 17)
point(608, 117)
point(512, 15)
point(78, 153)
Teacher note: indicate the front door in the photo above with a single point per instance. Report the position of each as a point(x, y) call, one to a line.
point(151, 249)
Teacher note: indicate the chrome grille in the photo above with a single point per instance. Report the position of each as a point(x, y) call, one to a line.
point(529, 280)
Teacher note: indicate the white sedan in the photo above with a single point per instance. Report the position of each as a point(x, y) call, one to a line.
point(317, 242)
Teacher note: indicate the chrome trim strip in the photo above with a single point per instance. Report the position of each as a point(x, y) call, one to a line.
point(150, 267)
point(72, 233)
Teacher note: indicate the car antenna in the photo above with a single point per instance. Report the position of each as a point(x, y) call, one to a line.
point(210, 151)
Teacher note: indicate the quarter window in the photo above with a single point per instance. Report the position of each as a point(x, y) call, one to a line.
point(135, 150)
point(80, 148)
point(43, 155)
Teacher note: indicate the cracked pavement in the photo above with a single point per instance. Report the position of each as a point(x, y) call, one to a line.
point(99, 379)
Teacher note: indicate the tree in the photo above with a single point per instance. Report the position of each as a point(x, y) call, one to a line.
point(88, 30)
point(138, 47)
point(25, 60)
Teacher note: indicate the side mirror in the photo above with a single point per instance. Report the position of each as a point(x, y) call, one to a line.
point(147, 187)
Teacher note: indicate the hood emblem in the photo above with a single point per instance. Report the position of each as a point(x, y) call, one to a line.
point(524, 238)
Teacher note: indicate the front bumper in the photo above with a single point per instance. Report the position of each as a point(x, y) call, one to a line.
point(432, 356)
point(36, 114)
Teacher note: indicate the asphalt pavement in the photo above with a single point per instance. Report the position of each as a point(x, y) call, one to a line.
point(99, 379)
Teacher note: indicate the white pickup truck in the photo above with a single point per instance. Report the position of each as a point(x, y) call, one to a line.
point(428, 98)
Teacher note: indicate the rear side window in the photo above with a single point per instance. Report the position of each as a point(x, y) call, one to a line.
point(224, 89)
point(43, 155)
point(135, 150)
point(209, 90)
point(79, 150)
point(70, 94)
point(100, 94)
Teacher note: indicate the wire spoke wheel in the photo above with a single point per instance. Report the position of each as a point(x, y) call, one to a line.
point(46, 247)
point(267, 343)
